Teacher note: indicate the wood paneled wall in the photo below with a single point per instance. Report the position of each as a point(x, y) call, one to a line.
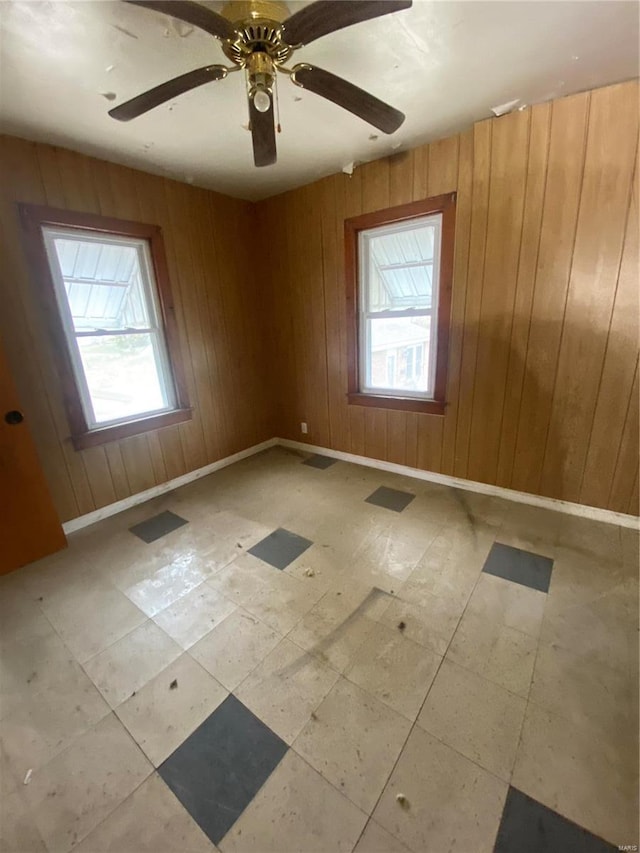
point(219, 309)
point(543, 362)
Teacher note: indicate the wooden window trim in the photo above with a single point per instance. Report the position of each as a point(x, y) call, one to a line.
point(446, 205)
point(33, 218)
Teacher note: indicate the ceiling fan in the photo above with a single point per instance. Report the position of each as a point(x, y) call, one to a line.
point(258, 36)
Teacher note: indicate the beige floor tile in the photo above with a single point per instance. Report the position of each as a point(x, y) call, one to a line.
point(333, 631)
point(18, 830)
point(167, 585)
point(589, 537)
point(21, 619)
point(151, 820)
point(194, 615)
point(396, 670)
point(630, 545)
point(375, 839)
point(160, 717)
point(531, 528)
point(452, 564)
point(474, 716)
point(235, 647)
point(30, 666)
point(389, 559)
point(240, 580)
point(353, 740)
point(283, 601)
point(350, 531)
point(328, 565)
point(129, 664)
point(367, 600)
point(604, 630)
point(583, 690)
point(573, 769)
point(580, 579)
point(42, 726)
point(452, 803)
point(285, 688)
point(242, 530)
point(296, 810)
point(91, 618)
point(511, 604)
point(429, 619)
point(9, 781)
point(75, 791)
point(462, 547)
point(495, 651)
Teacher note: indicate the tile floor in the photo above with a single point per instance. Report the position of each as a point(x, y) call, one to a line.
point(298, 654)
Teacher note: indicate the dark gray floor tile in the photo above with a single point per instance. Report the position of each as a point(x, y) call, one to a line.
point(219, 769)
point(529, 827)
point(157, 526)
point(319, 461)
point(512, 564)
point(390, 499)
point(280, 548)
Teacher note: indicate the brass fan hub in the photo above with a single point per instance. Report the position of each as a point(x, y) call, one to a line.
point(258, 28)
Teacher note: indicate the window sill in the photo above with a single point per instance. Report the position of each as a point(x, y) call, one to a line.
point(402, 404)
point(116, 432)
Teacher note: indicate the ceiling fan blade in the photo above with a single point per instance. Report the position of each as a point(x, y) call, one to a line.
point(349, 97)
point(191, 13)
point(326, 16)
point(166, 91)
point(263, 133)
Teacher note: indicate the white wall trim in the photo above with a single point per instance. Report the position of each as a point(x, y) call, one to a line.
point(163, 488)
point(594, 513)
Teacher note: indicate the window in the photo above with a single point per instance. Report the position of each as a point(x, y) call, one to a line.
point(111, 320)
point(399, 268)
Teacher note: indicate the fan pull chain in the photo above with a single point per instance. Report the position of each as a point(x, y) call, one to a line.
point(275, 89)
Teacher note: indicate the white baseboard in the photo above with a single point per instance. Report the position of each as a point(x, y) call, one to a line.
point(594, 513)
point(169, 486)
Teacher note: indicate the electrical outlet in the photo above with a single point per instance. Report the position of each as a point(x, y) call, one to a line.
point(303, 428)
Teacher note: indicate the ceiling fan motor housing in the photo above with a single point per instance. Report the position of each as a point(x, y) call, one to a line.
point(258, 28)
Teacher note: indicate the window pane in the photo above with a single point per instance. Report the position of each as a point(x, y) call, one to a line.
point(122, 373)
point(403, 342)
point(400, 267)
point(103, 282)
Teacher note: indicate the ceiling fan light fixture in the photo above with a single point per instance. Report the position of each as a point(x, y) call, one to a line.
point(261, 100)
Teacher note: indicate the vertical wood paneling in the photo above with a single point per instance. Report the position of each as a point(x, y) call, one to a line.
point(353, 206)
point(557, 236)
point(625, 478)
point(616, 384)
point(544, 333)
point(509, 154)
point(543, 380)
point(459, 295)
point(473, 286)
point(375, 196)
point(82, 481)
point(602, 218)
point(528, 260)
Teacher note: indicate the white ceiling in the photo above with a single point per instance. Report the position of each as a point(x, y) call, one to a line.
point(444, 64)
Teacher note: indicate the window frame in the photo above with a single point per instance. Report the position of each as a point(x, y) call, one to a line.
point(35, 218)
point(446, 206)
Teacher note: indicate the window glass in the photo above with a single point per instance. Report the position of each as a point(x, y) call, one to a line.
point(399, 276)
point(107, 296)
